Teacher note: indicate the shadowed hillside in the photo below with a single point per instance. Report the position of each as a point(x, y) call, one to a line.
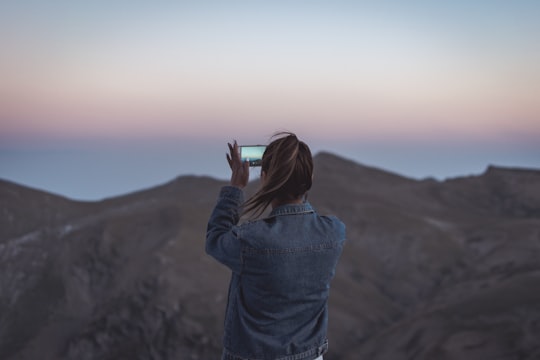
point(431, 270)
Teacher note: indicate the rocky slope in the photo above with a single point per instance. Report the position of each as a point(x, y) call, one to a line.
point(431, 270)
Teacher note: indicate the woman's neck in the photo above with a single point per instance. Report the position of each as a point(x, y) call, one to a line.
point(279, 202)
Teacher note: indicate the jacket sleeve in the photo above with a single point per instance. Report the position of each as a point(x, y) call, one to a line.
point(222, 240)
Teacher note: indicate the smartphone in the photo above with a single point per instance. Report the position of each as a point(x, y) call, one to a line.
point(252, 153)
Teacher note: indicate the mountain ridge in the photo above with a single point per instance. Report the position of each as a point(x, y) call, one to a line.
point(424, 264)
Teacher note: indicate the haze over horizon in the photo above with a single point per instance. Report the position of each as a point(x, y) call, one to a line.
point(99, 99)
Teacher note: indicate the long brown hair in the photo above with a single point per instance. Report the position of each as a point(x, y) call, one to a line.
point(288, 167)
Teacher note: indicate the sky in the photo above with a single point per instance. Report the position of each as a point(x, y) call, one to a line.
point(102, 98)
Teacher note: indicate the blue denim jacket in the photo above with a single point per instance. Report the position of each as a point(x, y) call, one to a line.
point(281, 266)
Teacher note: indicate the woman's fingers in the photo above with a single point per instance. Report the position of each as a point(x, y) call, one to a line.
point(234, 156)
point(240, 170)
point(230, 155)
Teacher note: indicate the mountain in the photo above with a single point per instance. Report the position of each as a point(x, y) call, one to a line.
point(435, 270)
point(430, 270)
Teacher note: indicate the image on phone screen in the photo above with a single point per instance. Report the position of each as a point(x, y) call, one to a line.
point(252, 153)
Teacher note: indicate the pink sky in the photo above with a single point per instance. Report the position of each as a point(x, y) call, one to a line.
point(340, 74)
point(360, 74)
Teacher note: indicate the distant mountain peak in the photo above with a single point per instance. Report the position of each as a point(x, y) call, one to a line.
point(514, 170)
point(334, 163)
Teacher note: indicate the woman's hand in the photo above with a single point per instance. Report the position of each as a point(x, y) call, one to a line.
point(240, 170)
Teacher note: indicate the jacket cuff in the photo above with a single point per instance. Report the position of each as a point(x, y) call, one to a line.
point(233, 193)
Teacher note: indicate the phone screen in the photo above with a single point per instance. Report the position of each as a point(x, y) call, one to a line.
point(252, 153)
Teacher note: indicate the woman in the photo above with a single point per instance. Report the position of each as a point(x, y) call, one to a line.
point(282, 264)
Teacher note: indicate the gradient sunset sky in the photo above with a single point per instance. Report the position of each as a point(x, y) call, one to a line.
point(99, 98)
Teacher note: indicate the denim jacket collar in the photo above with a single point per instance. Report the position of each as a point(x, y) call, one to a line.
point(291, 209)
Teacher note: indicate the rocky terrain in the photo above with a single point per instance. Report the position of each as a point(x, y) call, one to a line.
point(431, 269)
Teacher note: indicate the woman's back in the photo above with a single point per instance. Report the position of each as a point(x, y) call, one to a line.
point(280, 296)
